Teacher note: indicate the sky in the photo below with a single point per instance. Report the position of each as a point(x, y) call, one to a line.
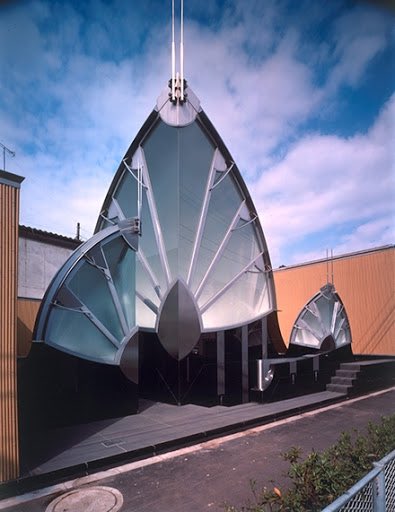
point(302, 93)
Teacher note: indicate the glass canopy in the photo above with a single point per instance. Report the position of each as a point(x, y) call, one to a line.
point(322, 323)
point(201, 262)
point(198, 224)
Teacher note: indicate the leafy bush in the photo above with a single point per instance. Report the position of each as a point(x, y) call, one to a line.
point(321, 477)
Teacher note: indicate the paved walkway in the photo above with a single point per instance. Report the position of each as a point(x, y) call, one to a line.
point(157, 428)
point(206, 475)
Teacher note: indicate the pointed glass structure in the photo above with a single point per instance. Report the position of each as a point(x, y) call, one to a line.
point(178, 249)
point(322, 324)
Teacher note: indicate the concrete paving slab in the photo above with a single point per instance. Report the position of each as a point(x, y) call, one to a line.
point(203, 477)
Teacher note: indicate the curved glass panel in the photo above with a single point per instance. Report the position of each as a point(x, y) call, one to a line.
point(162, 158)
point(196, 155)
point(240, 251)
point(89, 308)
point(224, 203)
point(76, 334)
point(126, 194)
point(323, 317)
point(121, 263)
point(89, 284)
point(198, 234)
point(247, 298)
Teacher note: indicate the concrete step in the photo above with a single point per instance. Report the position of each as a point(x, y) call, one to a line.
point(347, 373)
point(338, 388)
point(347, 381)
point(350, 366)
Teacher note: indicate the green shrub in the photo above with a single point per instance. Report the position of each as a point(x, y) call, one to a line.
point(320, 478)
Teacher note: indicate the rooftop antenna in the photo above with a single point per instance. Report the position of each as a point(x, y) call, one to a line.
point(173, 56)
point(8, 150)
point(333, 280)
point(182, 51)
point(177, 79)
point(327, 266)
point(139, 190)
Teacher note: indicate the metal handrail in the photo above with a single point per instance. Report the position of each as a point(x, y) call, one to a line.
point(376, 474)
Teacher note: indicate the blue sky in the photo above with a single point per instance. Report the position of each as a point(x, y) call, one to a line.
point(301, 92)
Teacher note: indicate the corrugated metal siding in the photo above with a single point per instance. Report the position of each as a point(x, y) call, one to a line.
point(9, 208)
point(365, 283)
point(27, 310)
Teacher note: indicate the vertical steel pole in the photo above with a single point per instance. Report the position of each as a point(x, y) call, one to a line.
point(220, 365)
point(244, 364)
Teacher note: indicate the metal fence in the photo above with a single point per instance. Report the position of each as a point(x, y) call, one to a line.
point(375, 492)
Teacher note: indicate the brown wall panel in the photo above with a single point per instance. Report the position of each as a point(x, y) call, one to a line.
point(365, 283)
point(27, 310)
point(9, 208)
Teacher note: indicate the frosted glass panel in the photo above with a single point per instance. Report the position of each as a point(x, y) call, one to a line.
point(240, 250)
point(121, 262)
point(224, 201)
point(144, 316)
point(314, 323)
point(148, 245)
point(196, 154)
point(325, 307)
point(74, 332)
point(304, 337)
point(247, 298)
point(162, 157)
point(90, 285)
point(126, 195)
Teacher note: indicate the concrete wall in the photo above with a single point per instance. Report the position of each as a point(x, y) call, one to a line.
point(38, 263)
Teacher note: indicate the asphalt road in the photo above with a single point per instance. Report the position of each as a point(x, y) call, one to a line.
point(204, 477)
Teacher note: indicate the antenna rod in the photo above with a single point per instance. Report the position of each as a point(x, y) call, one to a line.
point(327, 267)
point(139, 190)
point(333, 281)
point(8, 150)
point(173, 55)
point(182, 51)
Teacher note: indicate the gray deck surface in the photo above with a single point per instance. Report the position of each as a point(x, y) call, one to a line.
point(156, 424)
point(221, 470)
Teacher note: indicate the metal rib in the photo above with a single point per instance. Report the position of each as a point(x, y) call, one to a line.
point(202, 219)
point(220, 249)
point(147, 302)
point(155, 221)
point(219, 294)
point(149, 271)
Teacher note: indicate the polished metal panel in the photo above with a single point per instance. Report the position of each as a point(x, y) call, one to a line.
point(264, 376)
point(129, 357)
point(179, 325)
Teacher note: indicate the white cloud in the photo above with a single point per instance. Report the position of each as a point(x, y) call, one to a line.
point(70, 109)
point(325, 182)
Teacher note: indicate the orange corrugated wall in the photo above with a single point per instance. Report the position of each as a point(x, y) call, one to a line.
point(365, 283)
point(9, 212)
point(27, 310)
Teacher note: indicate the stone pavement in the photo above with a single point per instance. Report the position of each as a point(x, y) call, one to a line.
point(204, 476)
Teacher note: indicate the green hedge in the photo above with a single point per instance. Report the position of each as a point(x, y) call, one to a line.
point(320, 478)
